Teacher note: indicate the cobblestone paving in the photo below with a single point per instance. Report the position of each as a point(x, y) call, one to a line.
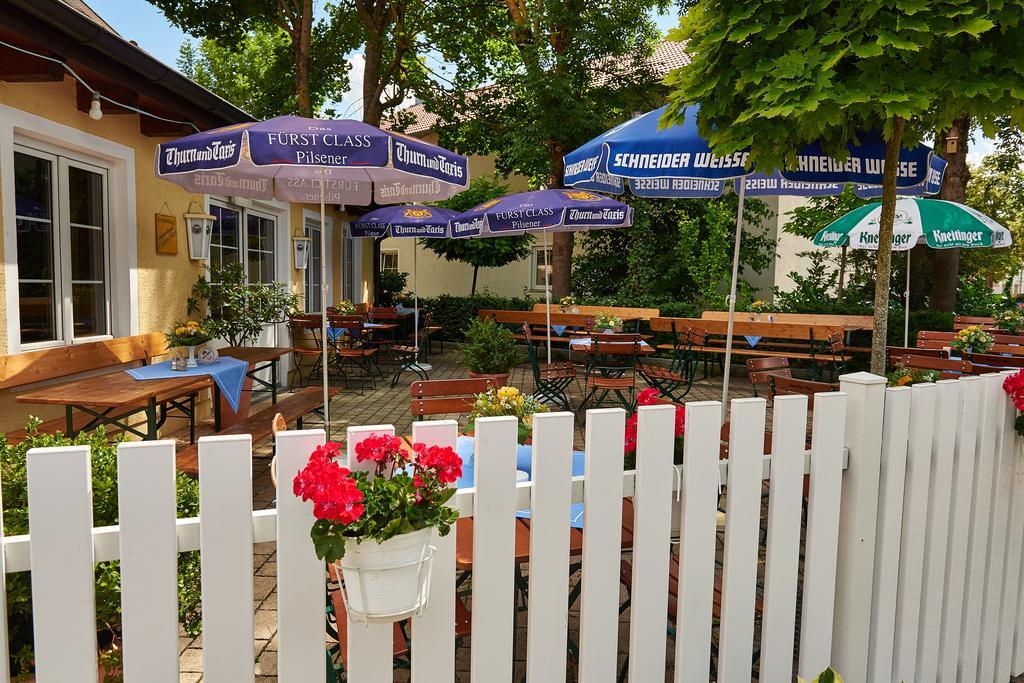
point(384, 405)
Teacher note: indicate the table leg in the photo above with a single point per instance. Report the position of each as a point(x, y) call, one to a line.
point(151, 431)
point(216, 407)
point(69, 421)
point(273, 380)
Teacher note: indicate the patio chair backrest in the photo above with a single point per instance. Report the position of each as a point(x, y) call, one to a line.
point(383, 313)
point(20, 369)
point(950, 366)
point(447, 396)
point(894, 353)
point(760, 370)
point(991, 359)
point(788, 386)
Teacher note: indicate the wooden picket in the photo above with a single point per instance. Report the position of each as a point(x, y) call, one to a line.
point(938, 527)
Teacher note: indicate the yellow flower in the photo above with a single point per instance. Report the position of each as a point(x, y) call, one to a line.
point(904, 380)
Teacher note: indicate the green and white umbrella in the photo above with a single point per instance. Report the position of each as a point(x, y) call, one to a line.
point(935, 222)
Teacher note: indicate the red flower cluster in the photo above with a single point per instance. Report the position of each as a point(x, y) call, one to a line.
point(1014, 387)
point(443, 461)
point(648, 397)
point(335, 495)
point(381, 448)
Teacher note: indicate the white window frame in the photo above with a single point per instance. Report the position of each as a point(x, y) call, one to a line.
point(398, 259)
point(23, 129)
point(313, 217)
point(536, 261)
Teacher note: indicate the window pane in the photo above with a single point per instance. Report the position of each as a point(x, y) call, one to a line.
point(32, 186)
point(87, 254)
point(36, 304)
point(225, 228)
point(313, 270)
point(85, 196)
point(539, 273)
point(260, 241)
point(35, 250)
point(90, 310)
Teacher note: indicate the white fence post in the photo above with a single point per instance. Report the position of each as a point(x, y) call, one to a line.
point(63, 580)
point(742, 529)
point(494, 509)
point(300, 574)
point(823, 498)
point(433, 631)
point(960, 505)
point(602, 545)
point(782, 558)
point(697, 538)
point(147, 510)
point(369, 646)
point(1015, 537)
point(551, 505)
point(225, 546)
point(857, 519)
point(915, 518)
point(895, 433)
point(652, 501)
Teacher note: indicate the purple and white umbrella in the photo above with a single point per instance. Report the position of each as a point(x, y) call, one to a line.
point(541, 211)
point(296, 159)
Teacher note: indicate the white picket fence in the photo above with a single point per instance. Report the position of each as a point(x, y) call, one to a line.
point(910, 541)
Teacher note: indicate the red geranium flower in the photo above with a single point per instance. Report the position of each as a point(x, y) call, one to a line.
point(380, 448)
point(443, 461)
point(335, 495)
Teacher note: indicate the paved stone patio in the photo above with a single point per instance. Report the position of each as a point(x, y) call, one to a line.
point(384, 405)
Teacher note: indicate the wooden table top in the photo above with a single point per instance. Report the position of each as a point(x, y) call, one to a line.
point(255, 354)
point(112, 390)
point(614, 348)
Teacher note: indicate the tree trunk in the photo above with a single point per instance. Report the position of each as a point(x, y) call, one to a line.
point(562, 243)
point(883, 269)
point(472, 290)
point(301, 48)
point(946, 262)
point(842, 271)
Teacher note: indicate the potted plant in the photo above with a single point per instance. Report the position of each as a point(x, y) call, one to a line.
point(972, 339)
point(568, 304)
point(189, 334)
point(758, 307)
point(345, 307)
point(906, 377)
point(606, 322)
point(237, 311)
point(507, 401)
point(490, 350)
point(376, 526)
point(1008, 320)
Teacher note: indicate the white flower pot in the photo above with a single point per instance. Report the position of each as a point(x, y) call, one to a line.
point(191, 363)
point(389, 581)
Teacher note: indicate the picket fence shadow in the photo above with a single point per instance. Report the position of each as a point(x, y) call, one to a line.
point(904, 554)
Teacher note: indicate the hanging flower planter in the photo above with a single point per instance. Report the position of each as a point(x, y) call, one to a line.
point(376, 526)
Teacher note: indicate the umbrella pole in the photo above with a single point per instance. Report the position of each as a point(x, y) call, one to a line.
point(906, 301)
point(425, 367)
point(732, 297)
point(323, 304)
point(547, 291)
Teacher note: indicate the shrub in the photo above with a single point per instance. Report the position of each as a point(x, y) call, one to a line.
point(390, 288)
point(489, 348)
point(237, 310)
point(455, 313)
point(108, 574)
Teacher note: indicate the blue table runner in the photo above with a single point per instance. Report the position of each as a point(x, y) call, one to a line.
point(227, 373)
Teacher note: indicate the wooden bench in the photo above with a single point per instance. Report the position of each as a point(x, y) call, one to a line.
point(516, 319)
point(624, 312)
point(961, 321)
point(948, 367)
point(67, 362)
point(848, 322)
point(1004, 343)
point(260, 425)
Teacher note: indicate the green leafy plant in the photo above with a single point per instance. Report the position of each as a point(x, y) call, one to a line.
point(567, 301)
point(188, 333)
point(607, 321)
point(390, 288)
point(507, 401)
point(490, 348)
point(237, 310)
point(404, 494)
point(345, 307)
point(105, 512)
point(904, 377)
point(1009, 320)
point(827, 676)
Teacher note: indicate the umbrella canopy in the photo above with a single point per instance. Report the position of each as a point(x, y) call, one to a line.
point(412, 220)
point(282, 158)
point(541, 211)
point(935, 222)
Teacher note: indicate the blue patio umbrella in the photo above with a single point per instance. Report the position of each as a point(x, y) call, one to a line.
point(298, 159)
point(416, 221)
point(541, 211)
point(677, 162)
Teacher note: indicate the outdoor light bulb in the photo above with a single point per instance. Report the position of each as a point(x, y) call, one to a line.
point(95, 111)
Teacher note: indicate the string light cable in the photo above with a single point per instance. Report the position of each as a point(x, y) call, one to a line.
point(96, 94)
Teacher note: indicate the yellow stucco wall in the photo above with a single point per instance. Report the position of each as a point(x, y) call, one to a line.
point(163, 281)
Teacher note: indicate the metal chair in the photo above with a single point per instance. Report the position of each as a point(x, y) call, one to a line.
point(680, 372)
point(612, 368)
point(348, 349)
point(550, 379)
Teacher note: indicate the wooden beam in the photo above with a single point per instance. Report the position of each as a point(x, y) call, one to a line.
point(18, 67)
point(83, 97)
point(156, 128)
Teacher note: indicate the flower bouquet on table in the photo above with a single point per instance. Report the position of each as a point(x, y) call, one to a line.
point(972, 339)
point(502, 401)
point(650, 397)
point(189, 334)
point(607, 321)
point(1014, 388)
point(567, 302)
point(904, 377)
point(1008, 320)
point(376, 525)
point(345, 307)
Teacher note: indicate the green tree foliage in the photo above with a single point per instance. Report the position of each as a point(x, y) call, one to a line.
point(997, 190)
point(257, 73)
point(676, 250)
point(555, 74)
point(237, 310)
point(773, 75)
point(491, 252)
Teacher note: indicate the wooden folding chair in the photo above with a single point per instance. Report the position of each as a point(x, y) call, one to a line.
point(760, 369)
point(446, 396)
point(676, 380)
point(550, 379)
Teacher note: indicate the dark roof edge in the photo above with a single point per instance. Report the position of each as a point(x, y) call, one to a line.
point(88, 33)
